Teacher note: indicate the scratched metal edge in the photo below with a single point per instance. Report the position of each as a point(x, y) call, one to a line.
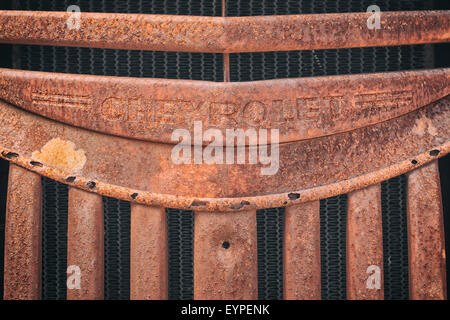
point(224, 34)
point(233, 204)
point(94, 98)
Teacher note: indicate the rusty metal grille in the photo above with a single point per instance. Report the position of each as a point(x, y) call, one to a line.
point(243, 67)
point(293, 64)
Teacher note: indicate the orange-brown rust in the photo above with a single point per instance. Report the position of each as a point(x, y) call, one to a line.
point(148, 253)
point(225, 256)
point(85, 243)
point(302, 252)
point(22, 275)
point(224, 34)
point(427, 272)
point(151, 109)
point(314, 169)
point(365, 245)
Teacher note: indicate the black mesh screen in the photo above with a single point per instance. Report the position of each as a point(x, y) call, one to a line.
point(395, 238)
point(117, 249)
point(180, 225)
point(4, 169)
point(333, 232)
point(54, 239)
point(444, 170)
point(270, 227)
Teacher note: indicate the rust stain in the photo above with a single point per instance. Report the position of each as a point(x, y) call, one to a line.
point(224, 34)
point(61, 154)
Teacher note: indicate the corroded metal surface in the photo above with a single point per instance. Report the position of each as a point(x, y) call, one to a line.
point(302, 252)
point(224, 34)
point(151, 109)
point(148, 253)
point(365, 245)
point(225, 256)
point(22, 277)
point(426, 242)
point(85, 243)
point(144, 172)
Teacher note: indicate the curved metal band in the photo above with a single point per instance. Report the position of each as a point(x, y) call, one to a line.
point(224, 34)
point(143, 172)
point(151, 109)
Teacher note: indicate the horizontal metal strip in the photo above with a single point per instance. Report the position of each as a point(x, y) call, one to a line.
point(144, 172)
point(223, 34)
point(151, 109)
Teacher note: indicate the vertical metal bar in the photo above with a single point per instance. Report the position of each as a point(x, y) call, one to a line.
point(365, 245)
point(23, 235)
point(148, 273)
point(302, 252)
point(427, 273)
point(225, 256)
point(85, 244)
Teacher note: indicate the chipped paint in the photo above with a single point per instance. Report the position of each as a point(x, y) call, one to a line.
point(61, 154)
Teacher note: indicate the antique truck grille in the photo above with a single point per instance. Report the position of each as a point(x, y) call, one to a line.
point(86, 177)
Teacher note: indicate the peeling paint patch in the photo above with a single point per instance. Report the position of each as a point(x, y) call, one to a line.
point(61, 154)
point(424, 125)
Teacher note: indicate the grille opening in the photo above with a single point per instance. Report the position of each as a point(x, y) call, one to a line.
point(180, 235)
point(395, 238)
point(444, 170)
point(333, 233)
point(117, 226)
point(178, 7)
point(270, 235)
point(4, 170)
point(55, 198)
point(283, 7)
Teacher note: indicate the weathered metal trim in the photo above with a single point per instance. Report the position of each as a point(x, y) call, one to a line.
point(365, 245)
point(148, 253)
point(426, 241)
point(225, 256)
point(22, 274)
point(224, 34)
point(232, 204)
point(302, 276)
point(85, 244)
point(151, 109)
point(407, 143)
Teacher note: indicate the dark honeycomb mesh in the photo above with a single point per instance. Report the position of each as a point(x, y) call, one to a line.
point(444, 170)
point(117, 248)
point(54, 239)
point(333, 232)
point(180, 226)
point(395, 239)
point(270, 227)
point(4, 169)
